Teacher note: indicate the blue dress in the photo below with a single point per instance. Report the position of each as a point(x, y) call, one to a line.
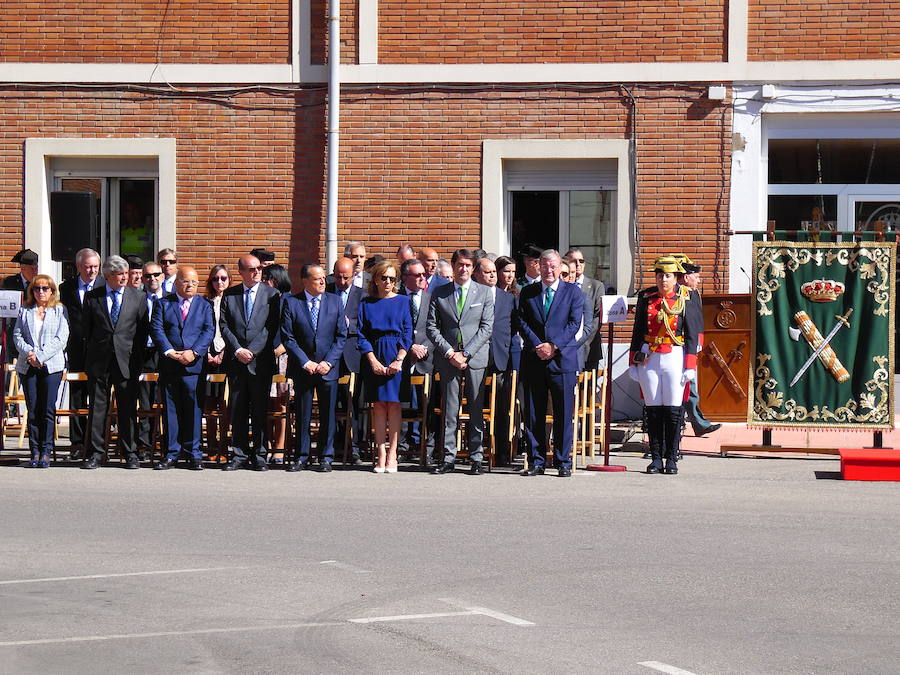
point(385, 327)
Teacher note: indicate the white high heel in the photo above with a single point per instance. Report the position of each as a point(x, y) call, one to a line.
point(390, 469)
point(378, 469)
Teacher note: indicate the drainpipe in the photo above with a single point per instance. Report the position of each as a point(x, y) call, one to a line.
point(334, 117)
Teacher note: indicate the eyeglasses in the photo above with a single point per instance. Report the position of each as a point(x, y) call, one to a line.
point(42, 289)
point(384, 277)
point(152, 275)
point(168, 261)
point(224, 279)
point(252, 270)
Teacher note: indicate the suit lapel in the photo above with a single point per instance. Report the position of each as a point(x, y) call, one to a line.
point(304, 310)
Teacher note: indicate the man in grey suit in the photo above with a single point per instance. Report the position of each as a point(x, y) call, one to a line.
point(590, 341)
point(460, 320)
point(420, 357)
point(249, 321)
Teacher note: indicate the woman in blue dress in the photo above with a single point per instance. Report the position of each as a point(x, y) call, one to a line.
point(385, 335)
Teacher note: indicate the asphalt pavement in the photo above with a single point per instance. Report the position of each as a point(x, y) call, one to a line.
point(736, 565)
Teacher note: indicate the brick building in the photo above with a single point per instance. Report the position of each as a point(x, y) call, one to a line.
point(627, 128)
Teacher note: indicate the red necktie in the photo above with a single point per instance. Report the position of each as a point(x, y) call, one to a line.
point(185, 306)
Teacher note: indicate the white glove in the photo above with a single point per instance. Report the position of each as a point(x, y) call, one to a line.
point(688, 375)
point(633, 373)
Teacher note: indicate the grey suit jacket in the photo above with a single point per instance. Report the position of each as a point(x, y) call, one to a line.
point(420, 336)
point(49, 346)
point(590, 346)
point(475, 323)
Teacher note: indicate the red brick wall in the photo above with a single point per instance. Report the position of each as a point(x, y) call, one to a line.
point(785, 30)
point(500, 31)
point(237, 170)
point(410, 164)
point(110, 31)
point(319, 31)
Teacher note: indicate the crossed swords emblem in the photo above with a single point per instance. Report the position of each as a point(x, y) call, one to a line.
point(814, 338)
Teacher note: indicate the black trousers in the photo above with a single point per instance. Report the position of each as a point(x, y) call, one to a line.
point(148, 394)
point(126, 401)
point(248, 403)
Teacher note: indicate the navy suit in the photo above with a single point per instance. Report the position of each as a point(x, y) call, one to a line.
point(304, 343)
point(249, 384)
point(558, 375)
point(179, 382)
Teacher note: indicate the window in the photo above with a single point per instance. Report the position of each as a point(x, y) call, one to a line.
point(560, 194)
point(133, 180)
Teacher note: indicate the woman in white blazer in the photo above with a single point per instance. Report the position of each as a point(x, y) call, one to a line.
point(40, 334)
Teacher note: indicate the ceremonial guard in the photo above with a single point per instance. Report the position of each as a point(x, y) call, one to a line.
point(663, 359)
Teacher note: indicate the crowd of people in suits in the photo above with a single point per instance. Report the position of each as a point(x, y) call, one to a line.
point(383, 319)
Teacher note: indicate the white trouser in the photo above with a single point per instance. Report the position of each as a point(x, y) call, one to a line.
point(660, 378)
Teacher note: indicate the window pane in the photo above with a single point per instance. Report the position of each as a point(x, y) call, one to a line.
point(136, 218)
point(869, 212)
point(535, 220)
point(788, 211)
point(590, 222)
point(834, 160)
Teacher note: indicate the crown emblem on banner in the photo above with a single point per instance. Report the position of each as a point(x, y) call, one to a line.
point(822, 290)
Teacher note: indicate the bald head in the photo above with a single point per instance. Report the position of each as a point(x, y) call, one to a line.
point(486, 272)
point(343, 273)
point(429, 259)
point(186, 281)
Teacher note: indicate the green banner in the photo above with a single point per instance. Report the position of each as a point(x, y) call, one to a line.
point(836, 299)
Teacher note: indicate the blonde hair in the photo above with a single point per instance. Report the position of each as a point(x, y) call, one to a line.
point(31, 301)
point(378, 269)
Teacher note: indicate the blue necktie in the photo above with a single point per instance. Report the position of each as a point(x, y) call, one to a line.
point(314, 313)
point(116, 308)
point(248, 303)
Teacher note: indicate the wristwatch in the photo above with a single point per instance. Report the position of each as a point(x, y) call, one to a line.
point(466, 355)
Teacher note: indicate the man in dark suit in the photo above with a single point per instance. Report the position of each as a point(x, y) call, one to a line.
point(313, 331)
point(460, 320)
point(350, 297)
point(590, 342)
point(151, 275)
point(71, 294)
point(501, 356)
point(115, 326)
point(531, 256)
point(183, 329)
point(420, 357)
point(550, 314)
point(28, 269)
point(249, 320)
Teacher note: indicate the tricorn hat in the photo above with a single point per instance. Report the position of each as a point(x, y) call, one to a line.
point(25, 257)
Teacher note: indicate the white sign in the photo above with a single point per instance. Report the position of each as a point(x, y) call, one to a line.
point(613, 309)
point(10, 301)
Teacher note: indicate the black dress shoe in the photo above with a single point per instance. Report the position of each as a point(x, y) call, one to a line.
point(133, 463)
point(233, 466)
point(476, 469)
point(76, 453)
point(297, 466)
point(167, 463)
point(564, 472)
point(324, 467)
point(446, 467)
point(260, 466)
point(196, 465)
point(534, 471)
point(708, 430)
point(354, 458)
point(654, 468)
point(90, 463)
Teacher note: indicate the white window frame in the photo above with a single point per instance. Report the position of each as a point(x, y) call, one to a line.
point(495, 234)
point(39, 181)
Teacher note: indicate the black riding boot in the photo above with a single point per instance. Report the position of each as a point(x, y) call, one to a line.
point(673, 418)
point(655, 437)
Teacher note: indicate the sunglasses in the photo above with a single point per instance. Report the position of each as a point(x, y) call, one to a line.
point(416, 274)
point(152, 275)
point(253, 270)
point(578, 261)
point(225, 279)
point(563, 274)
point(42, 289)
point(384, 277)
point(173, 261)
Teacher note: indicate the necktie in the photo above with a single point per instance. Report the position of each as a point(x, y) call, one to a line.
point(314, 313)
point(344, 295)
point(426, 285)
point(152, 300)
point(185, 306)
point(460, 300)
point(578, 283)
point(548, 300)
point(116, 307)
point(248, 303)
point(414, 306)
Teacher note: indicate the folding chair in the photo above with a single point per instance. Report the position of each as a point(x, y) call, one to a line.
point(70, 376)
point(419, 413)
point(155, 414)
point(15, 401)
point(344, 415)
point(214, 433)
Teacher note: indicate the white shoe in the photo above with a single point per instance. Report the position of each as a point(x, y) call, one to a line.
point(378, 469)
point(390, 469)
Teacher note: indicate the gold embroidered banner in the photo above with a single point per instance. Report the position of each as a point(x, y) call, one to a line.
point(824, 335)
